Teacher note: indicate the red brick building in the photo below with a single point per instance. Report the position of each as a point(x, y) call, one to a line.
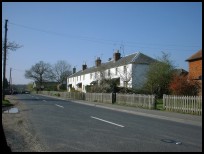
point(195, 67)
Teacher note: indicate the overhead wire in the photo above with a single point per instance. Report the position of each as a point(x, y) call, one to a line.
point(110, 42)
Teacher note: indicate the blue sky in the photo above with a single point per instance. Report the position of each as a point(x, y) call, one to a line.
point(78, 32)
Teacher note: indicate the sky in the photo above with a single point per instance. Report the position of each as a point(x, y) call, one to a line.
point(79, 32)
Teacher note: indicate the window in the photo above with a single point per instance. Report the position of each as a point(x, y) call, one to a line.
point(91, 76)
point(101, 74)
point(124, 69)
point(116, 71)
point(83, 77)
point(109, 72)
point(125, 84)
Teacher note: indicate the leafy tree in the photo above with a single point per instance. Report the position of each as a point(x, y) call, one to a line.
point(181, 85)
point(29, 86)
point(40, 72)
point(159, 75)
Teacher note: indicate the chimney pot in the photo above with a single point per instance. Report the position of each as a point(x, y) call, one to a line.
point(116, 55)
point(98, 62)
point(74, 70)
point(84, 66)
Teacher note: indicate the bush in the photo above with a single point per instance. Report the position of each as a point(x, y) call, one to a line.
point(58, 94)
point(6, 103)
point(181, 85)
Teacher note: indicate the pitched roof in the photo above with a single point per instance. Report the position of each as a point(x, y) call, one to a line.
point(197, 55)
point(180, 71)
point(135, 58)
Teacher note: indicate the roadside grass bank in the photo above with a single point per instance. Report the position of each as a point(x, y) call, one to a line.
point(159, 104)
point(6, 103)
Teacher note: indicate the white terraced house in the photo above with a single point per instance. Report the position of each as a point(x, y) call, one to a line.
point(129, 71)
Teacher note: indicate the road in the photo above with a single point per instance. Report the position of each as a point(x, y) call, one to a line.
point(65, 126)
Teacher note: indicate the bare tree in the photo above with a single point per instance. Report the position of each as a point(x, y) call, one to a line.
point(5, 47)
point(61, 71)
point(100, 76)
point(13, 46)
point(125, 76)
point(40, 72)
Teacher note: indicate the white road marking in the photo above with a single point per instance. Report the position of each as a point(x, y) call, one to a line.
point(44, 100)
point(107, 121)
point(59, 106)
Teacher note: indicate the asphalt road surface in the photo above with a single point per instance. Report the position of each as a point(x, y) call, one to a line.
point(66, 126)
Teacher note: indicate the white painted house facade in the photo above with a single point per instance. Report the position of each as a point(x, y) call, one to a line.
point(130, 71)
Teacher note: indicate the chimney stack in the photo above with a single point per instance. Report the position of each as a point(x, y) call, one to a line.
point(74, 70)
point(98, 62)
point(116, 55)
point(84, 66)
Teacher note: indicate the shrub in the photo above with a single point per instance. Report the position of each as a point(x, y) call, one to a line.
point(181, 85)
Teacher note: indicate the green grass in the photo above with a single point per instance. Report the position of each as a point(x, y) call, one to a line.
point(6, 103)
point(159, 104)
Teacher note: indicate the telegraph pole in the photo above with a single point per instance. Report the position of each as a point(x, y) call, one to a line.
point(4, 62)
point(10, 82)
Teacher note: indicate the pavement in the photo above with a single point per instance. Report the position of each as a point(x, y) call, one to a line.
point(160, 114)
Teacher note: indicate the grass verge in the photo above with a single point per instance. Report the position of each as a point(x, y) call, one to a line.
point(159, 104)
point(6, 103)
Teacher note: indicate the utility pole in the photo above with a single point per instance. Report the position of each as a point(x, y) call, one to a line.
point(4, 62)
point(10, 82)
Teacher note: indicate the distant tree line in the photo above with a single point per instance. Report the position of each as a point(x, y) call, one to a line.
point(43, 72)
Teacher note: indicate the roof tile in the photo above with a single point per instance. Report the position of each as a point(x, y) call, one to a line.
point(197, 55)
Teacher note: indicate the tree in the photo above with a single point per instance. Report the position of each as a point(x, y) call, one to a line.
point(40, 72)
point(12, 46)
point(125, 76)
point(29, 86)
point(181, 85)
point(6, 83)
point(61, 71)
point(100, 76)
point(5, 47)
point(159, 75)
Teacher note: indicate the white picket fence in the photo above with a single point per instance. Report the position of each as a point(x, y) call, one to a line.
point(99, 97)
point(137, 100)
point(71, 95)
point(185, 104)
